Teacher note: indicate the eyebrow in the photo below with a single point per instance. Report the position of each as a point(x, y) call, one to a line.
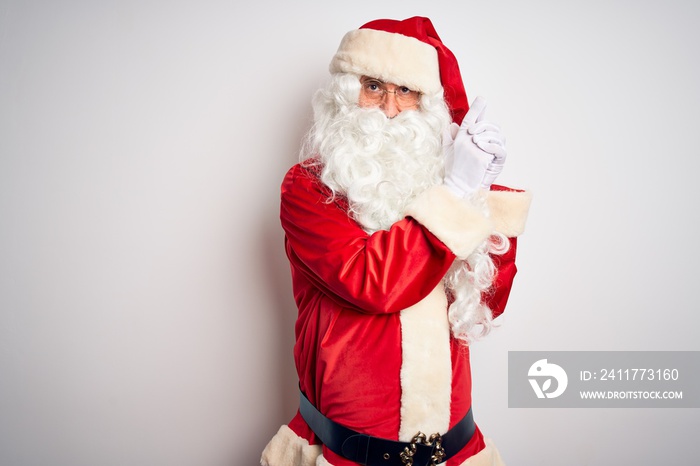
point(368, 78)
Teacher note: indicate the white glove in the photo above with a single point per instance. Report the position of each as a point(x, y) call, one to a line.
point(474, 152)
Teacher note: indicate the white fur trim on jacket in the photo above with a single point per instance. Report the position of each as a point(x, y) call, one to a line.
point(508, 210)
point(426, 366)
point(288, 449)
point(457, 223)
point(391, 57)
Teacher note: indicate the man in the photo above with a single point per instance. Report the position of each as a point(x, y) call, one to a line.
point(402, 252)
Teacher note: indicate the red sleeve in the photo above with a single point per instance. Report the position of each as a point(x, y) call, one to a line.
point(497, 296)
point(384, 272)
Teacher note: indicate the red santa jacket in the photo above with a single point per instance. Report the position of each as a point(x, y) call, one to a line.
point(373, 347)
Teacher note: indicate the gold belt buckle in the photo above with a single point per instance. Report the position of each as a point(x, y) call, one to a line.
point(435, 440)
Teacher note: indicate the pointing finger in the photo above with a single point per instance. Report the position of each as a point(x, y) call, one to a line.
point(475, 112)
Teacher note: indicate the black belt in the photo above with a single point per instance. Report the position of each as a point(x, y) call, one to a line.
point(375, 451)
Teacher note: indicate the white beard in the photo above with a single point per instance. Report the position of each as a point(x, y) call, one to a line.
point(380, 165)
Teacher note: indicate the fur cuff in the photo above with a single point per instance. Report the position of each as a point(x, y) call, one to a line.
point(457, 223)
point(288, 449)
point(508, 211)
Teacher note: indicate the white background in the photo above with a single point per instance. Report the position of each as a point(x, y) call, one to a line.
point(146, 315)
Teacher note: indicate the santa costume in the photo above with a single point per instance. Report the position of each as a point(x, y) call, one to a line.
point(376, 355)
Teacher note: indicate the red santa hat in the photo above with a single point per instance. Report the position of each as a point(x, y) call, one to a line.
point(408, 53)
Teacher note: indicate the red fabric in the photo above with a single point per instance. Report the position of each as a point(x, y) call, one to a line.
point(462, 401)
point(497, 297)
point(349, 288)
point(422, 29)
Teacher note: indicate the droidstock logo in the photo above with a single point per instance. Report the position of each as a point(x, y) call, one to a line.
point(542, 370)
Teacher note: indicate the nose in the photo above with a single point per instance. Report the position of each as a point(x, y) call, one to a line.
point(389, 105)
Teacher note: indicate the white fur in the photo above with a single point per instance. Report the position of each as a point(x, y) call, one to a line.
point(426, 370)
point(508, 211)
point(459, 224)
point(288, 449)
point(391, 57)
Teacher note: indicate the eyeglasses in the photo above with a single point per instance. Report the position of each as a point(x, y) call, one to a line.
point(375, 90)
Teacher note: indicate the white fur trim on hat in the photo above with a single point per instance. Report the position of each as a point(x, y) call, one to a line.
point(391, 57)
point(288, 449)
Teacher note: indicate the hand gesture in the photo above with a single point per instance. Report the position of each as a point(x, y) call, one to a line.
point(474, 152)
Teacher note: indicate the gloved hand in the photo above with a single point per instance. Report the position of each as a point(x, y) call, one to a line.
point(474, 152)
